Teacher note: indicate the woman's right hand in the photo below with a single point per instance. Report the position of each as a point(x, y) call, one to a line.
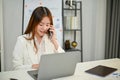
point(35, 66)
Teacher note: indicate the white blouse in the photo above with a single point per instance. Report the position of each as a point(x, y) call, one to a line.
point(24, 54)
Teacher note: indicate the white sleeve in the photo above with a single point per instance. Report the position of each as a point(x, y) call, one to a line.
point(18, 56)
point(59, 50)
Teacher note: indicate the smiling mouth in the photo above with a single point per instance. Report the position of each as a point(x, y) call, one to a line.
point(41, 31)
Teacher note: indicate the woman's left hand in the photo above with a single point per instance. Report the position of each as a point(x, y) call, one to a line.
point(53, 36)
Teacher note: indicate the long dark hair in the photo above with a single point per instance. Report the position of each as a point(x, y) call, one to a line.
point(38, 14)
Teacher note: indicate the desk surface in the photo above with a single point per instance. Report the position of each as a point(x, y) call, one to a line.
point(19, 75)
point(79, 74)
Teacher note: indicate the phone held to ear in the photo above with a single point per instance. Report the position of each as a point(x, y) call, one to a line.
point(50, 33)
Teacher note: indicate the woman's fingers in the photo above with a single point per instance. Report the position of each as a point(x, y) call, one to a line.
point(35, 66)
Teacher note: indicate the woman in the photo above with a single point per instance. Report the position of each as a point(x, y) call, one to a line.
point(36, 40)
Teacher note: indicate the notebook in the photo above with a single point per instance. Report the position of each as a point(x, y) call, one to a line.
point(56, 65)
point(101, 70)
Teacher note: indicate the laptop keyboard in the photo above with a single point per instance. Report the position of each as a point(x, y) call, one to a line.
point(36, 75)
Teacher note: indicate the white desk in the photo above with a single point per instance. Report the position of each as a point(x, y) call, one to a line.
point(20, 75)
point(78, 75)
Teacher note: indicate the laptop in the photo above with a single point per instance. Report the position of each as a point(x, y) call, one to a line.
point(56, 65)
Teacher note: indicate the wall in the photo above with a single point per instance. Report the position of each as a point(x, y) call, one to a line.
point(12, 20)
point(100, 29)
point(93, 28)
point(94, 18)
point(1, 38)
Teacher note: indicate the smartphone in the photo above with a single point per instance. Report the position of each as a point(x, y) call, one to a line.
point(50, 33)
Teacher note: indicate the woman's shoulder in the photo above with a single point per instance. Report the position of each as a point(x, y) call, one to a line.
point(23, 37)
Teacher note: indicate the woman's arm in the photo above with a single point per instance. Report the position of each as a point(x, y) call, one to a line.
point(54, 40)
point(58, 48)
point(18, 57)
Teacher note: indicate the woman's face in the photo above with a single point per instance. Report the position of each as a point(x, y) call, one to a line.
point(42, 27)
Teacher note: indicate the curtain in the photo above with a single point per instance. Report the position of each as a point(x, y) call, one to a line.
point(112, 43)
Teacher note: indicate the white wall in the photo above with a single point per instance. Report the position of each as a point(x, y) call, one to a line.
point(100, 29)
point(94, 18)
point(1, 37)
point(93, 28)
point(12, 20)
